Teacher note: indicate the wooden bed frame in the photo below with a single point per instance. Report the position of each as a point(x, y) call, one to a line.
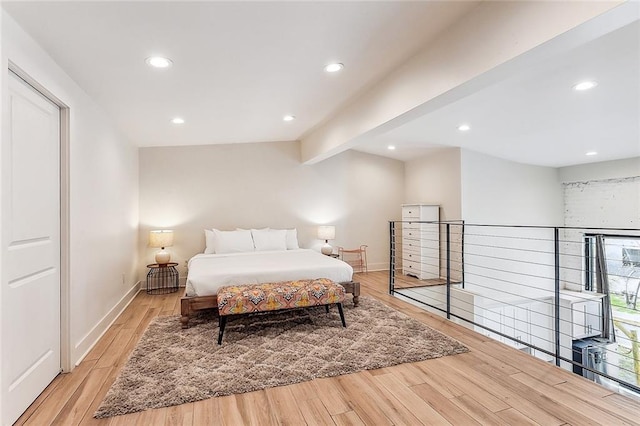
point(191, 304)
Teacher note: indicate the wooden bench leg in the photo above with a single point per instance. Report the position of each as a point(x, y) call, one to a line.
point(344, 324)
point(222, 322)
point(327, 307)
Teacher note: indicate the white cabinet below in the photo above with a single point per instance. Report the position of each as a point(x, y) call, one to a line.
point(528, 321)
point(586, 317)
point(509, 320)
point(533, 321)
point(580, 317)
point(580, 314)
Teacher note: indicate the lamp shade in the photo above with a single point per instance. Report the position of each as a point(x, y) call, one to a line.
point(161, 238)
point(327, 232)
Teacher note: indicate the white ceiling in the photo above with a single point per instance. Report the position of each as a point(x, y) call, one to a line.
point(532, 115)
point(239, 67)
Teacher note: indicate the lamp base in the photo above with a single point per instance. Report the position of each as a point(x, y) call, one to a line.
point(326, 249)
point(163, 257)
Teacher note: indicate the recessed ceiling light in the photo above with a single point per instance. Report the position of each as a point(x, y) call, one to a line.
point(590, 153)
point(289, 117)
point(334, 67)
point(178, 120)
point(464, 127)
point(585, 85)
point(391, 147)
point(158, 62)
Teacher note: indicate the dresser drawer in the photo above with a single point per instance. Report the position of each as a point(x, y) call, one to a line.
point(410, 212)
point(411, 225)
point(409, 266)
point(432, 228)
point(411, 234)
point(409, 256)
point(409, 244)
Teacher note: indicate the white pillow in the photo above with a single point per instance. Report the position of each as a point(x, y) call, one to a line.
point(292, 239)
point(269, 239)
point(209, 241)
point(232, 241)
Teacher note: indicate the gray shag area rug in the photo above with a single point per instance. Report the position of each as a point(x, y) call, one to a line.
point(172, 366)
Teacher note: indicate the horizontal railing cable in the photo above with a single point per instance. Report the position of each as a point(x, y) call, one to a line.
point(498, 332)
point(496, 265)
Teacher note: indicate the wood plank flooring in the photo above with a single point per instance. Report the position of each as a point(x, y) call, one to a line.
point(407, 281)
point(491, 384)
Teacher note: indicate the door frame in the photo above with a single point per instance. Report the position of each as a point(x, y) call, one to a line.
point(65, 256)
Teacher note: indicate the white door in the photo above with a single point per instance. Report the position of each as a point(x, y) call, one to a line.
point(30, 248)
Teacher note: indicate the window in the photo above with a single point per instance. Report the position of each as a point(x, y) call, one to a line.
point(622, 255)
point(590, 263)
point(630, 256)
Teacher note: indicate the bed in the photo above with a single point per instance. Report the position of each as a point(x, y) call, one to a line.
point(208, 272)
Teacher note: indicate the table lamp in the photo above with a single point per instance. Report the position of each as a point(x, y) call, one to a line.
point(161, 238)
point(326, 233)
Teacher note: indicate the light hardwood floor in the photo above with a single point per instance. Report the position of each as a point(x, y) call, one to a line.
point(491, 384)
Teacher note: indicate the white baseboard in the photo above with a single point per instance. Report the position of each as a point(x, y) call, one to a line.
point(91, 338)
point(383, 266)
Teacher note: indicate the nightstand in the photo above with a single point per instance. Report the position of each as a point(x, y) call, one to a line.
point(162, 279)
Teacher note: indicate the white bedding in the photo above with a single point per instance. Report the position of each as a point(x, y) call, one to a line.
point(208, 272)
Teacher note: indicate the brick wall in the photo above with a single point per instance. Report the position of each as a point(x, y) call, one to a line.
point(603, 203)
point(609, 203)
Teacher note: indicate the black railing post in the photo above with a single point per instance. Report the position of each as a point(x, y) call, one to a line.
point(556, 240)
point(392, 258)
point(448, 225)
point(462, 253)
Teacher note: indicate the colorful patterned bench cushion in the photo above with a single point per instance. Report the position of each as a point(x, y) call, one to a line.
point(275, 296)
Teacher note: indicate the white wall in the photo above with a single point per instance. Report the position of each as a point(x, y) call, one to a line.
point(496, 191)
point(436, 179)
point(616, 169)
point(255, 185)
point(508, 262)
point(103, 195)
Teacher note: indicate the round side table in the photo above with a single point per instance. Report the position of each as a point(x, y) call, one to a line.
point(162, 279)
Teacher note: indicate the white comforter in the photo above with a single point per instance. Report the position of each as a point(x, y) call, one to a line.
point(208, 272)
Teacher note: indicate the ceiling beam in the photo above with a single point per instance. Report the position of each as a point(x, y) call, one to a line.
point(489, 35)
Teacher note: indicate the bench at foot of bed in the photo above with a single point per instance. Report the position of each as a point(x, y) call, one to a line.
point(189, 305)
point(272, 297)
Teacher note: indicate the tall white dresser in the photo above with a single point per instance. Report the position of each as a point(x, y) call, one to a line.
point(420, 241)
